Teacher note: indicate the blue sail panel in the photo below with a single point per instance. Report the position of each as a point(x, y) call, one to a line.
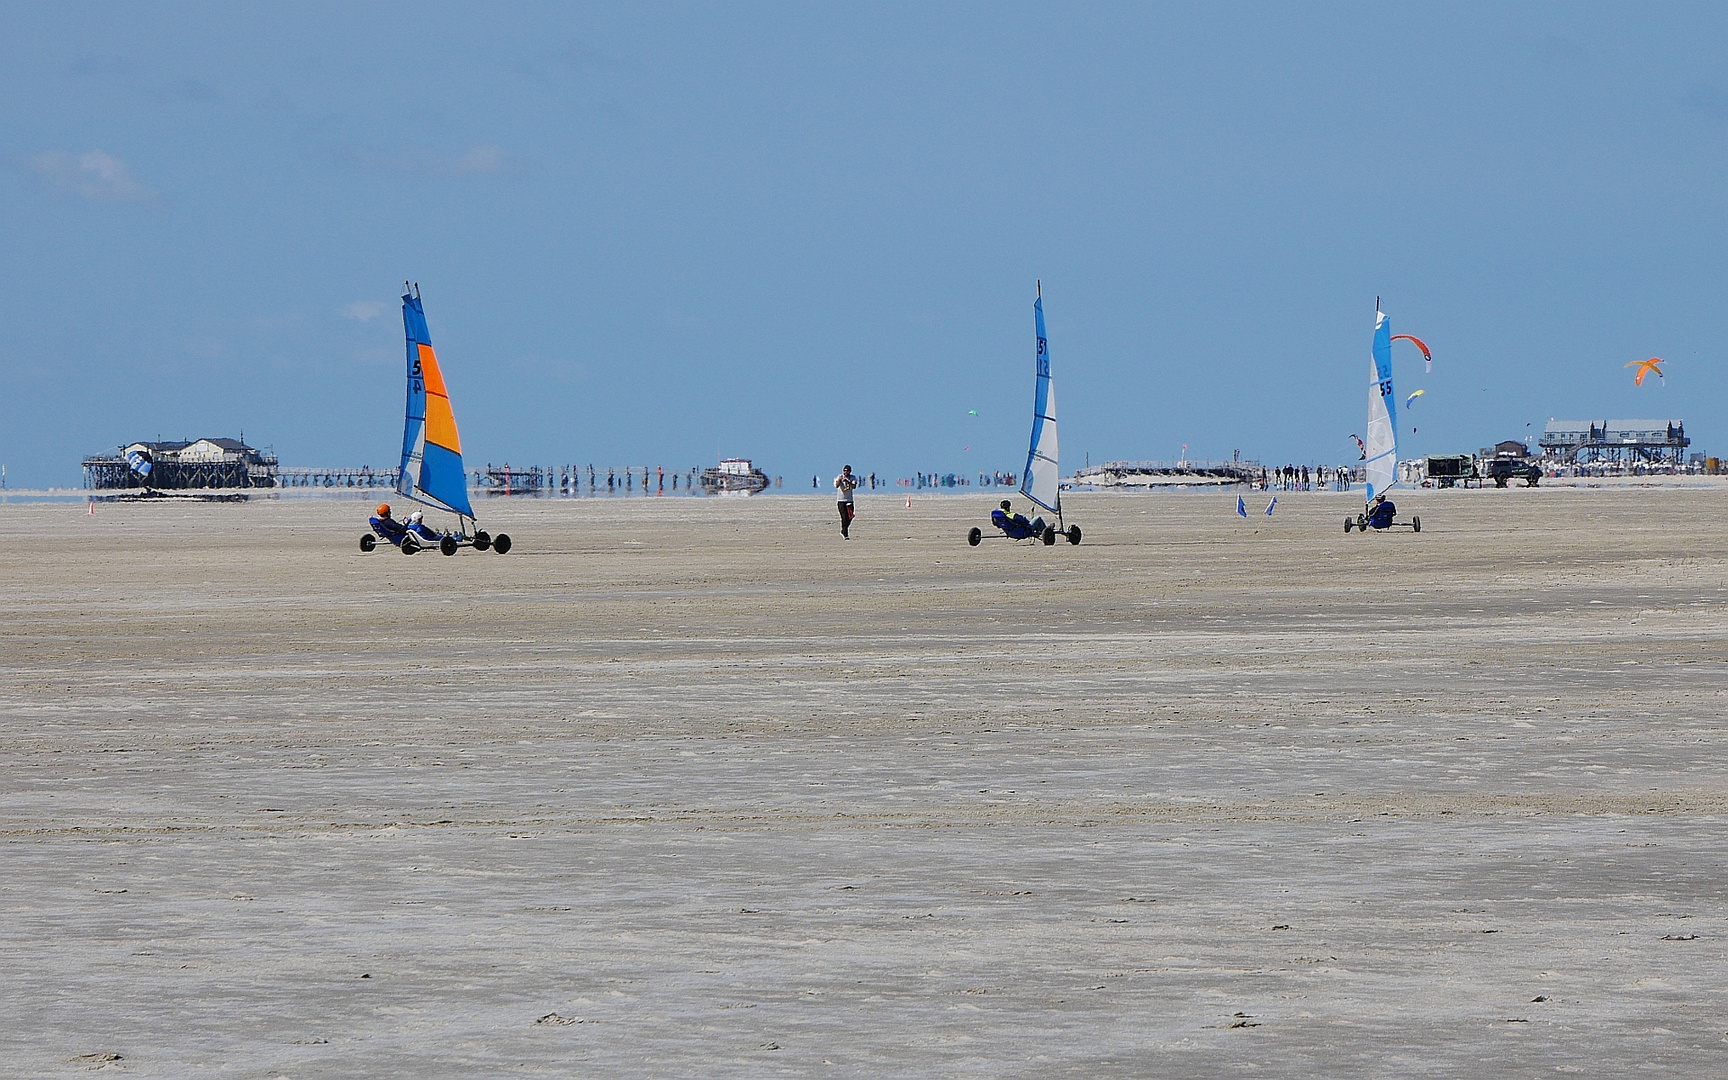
point(443, 480)
point(414, 414)
point(414, 321)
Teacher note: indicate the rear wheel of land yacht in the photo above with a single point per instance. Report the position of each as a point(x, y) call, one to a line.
point(1074, 535)
point(448, 545)
point(975, 536)
point(1416, 523)
point(368, 542)
point(482, 540)
point(409, 547)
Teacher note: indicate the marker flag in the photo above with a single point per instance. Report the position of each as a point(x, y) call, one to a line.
point(1242, 507)
point(1270, 505)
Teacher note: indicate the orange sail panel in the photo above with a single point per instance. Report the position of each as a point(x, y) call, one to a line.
point(440, 420)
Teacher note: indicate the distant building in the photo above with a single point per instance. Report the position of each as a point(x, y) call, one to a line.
point(175, 465)
point(1510, 448)
point(1624, 442)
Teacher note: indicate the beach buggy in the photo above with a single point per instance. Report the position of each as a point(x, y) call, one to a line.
point(1041, 481)
point(1017, 527)
point(432, 472)
point(1382, 514)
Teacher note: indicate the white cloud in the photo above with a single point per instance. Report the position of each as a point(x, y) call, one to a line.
point(93, 175)
point(482, 158)
point(479, 159)
point(364, 310)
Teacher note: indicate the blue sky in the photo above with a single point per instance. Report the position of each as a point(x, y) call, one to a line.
point(809, 233)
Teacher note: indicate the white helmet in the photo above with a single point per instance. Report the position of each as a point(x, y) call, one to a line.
point(416, 517)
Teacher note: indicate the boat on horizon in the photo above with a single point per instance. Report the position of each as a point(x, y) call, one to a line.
point(734, 476)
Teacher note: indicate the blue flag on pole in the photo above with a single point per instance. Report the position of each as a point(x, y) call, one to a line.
point(1270, 505)
point(1241, 507)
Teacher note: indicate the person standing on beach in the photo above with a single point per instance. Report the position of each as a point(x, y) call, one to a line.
point(844, 485)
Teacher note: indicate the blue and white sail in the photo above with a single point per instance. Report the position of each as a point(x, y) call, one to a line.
point(140, 462)
point(432, 470)
point(1382, 444)
point(1041, 481)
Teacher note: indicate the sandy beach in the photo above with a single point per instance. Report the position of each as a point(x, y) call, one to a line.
point(692, 787)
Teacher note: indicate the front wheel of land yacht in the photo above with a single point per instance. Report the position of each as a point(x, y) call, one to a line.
point(482, 540)
point(409, 547)
point(501, 543)
point(1416, 523)
point(1049, 535)
point(368, 542)
point(975, 536)
point(448, 545)
point(1074, 535)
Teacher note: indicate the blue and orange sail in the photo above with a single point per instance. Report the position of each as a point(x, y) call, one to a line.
point(432, 470)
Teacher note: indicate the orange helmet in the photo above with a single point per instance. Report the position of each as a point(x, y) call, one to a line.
point(383, 509)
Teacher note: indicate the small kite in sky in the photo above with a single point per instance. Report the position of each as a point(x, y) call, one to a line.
point(1645, 367)
point(1361, 448)
point(1413, 397)
point(1420, 344)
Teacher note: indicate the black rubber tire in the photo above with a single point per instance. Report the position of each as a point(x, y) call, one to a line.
point(482, 539)
point(1049, 535)
point(409, 546)
point(448, 545)
point(1074, 535)
point(368, 542)
point(501, 543)
point(974, 537)
point(1349, 523)
point(1416, 523)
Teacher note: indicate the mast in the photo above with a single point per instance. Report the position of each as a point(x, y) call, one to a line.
point(1041, 480)
point(1381, 448)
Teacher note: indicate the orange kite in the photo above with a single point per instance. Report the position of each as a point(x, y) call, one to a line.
point(1645, 367)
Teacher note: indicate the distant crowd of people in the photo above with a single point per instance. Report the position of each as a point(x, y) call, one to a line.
point(857, 481)
point(1304, 478)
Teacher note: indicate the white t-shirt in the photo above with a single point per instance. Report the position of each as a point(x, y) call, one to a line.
point(844, 485)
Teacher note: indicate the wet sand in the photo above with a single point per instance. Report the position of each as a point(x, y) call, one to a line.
point(694, 788)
